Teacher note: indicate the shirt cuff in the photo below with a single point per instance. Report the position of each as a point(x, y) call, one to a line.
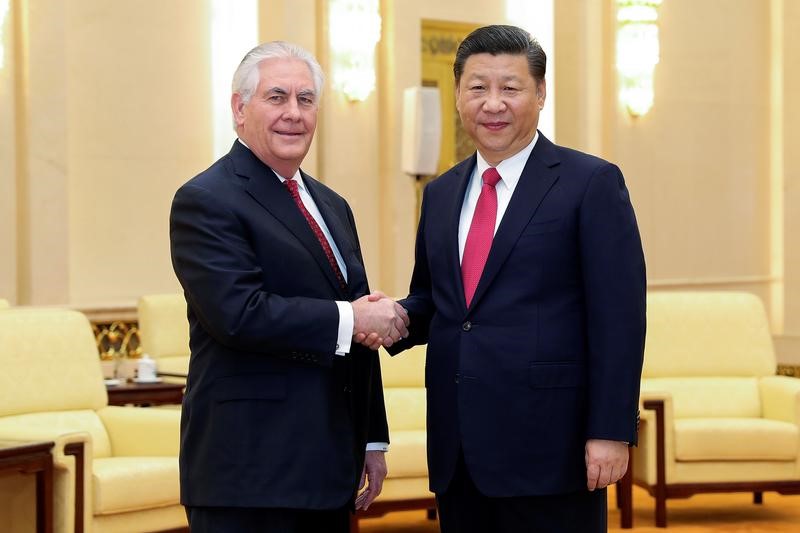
point(346, 323)
point(377, 446)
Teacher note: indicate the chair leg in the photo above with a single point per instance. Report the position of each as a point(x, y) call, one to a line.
point(758, 498)
point(661, 509)
point(432, 514)
point(354, 523)
point(625, 498)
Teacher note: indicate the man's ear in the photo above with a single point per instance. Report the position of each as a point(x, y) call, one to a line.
point(541, 93)
point(237, 107)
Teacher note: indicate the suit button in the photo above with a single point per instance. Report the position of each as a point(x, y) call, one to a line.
point(346, 389)
point(466, 326)
point(457, 378)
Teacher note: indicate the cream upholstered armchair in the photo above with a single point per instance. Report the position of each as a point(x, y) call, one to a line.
point(406, 485)
point(715, 417)
point(164, 333)
point(3, 304)
point(116, 468)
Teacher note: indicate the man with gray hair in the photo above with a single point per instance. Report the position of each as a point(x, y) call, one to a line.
point(283, 417)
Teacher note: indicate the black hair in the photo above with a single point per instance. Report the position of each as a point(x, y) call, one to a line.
point(501, 39)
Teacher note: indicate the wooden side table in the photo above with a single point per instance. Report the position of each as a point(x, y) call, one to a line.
point(28, 458)
point(145, 394)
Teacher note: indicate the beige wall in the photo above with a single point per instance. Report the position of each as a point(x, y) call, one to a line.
point(8, 184)
point(789, 343)
point(111, 113)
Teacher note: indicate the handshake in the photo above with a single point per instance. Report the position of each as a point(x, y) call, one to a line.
point(378, 321)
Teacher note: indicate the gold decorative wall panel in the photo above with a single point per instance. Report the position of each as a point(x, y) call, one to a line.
point(440, 40)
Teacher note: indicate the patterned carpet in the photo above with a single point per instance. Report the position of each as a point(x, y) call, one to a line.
point(703, 513)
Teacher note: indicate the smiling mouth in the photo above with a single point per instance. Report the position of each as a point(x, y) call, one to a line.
point(495, 126)
point(290, 133)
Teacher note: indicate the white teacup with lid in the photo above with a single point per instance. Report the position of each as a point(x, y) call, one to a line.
point(146, 369)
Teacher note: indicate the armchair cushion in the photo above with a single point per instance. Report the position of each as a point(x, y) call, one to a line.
point(58, 423)
point(707, 334)
point(124, 484)
point(126, 427)
point(163, 326)
point(62, 356)
point(695, 397)
point(735, 439)
point(408, 454)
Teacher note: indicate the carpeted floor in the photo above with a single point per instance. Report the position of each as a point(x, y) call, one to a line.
point(703, 513)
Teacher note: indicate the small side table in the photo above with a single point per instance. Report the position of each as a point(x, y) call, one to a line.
point(28, 458)
point(145, 394)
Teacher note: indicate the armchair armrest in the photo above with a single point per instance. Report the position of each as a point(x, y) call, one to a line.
point(63, 441)
point(72, 454)
point(126, 427)
point(780, 398)
point(655, 454)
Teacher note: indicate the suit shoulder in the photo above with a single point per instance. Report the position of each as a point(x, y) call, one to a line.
point(218, 179)
point(446, 180)
point(582, 160)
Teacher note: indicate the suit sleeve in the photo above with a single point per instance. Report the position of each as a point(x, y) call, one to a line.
point(614, 279)
point(378, 426)
point(223, 283)
point(419, 302)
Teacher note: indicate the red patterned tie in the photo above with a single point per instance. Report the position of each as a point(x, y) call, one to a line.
point(481, 233)
point(326, 247)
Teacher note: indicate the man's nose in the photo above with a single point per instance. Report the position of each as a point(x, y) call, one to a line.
point(494, 102)
point(292, 110)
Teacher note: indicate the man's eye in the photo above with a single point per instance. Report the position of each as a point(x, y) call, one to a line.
point(510, 89)
point(307, 101)
point(476, 88)
point(275, 98)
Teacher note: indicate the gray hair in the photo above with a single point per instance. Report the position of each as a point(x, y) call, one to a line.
point(246, 77)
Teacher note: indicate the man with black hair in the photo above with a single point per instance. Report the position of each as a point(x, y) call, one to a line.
point(529, 288)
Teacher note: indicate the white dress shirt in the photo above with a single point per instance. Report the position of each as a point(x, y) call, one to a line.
point(510, 171)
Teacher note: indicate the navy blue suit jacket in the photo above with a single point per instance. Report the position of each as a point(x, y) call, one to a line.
point(549, 353)
point(272, 417)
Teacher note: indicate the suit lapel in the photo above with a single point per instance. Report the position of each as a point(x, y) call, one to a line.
point(538, 176)
point(337, 224)
point(265, 187)
point(452, 216)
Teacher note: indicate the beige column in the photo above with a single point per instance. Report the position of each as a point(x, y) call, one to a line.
point(8, 172)
point(42, 151)
point(788, 344)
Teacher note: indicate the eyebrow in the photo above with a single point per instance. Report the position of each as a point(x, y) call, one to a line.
point(283, 92)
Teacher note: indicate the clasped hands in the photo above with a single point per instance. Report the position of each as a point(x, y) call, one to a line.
point(378, 321)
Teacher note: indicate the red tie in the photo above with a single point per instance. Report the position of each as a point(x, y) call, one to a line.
point(481, 232)
point(326, 247)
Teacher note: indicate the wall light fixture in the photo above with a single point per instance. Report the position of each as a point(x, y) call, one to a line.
point(637, 53)
point(4, 6)
point(354, 30)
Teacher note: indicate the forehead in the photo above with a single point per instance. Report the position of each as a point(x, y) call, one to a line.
point(505, 66)
point(285, 73)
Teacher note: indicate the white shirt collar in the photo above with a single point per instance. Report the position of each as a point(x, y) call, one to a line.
point(509, 169)
point(297, 176)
